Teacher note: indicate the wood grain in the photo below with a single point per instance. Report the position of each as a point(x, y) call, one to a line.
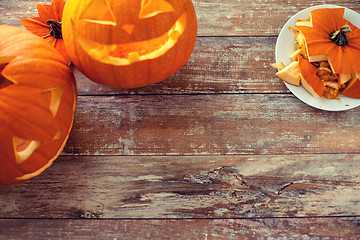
point(209, 124)
point(244, 186)
point(220, 150)
point(217, 65)
point(215, 17)
point(312, 228)
point(238, 18)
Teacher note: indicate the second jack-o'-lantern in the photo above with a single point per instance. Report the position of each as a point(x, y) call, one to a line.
point(129, 44)
point(37, 104)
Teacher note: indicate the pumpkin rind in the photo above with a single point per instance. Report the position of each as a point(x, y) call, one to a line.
point(37, 109)
point(309, 80)
point(320, 47)
point(129, 44)
point(353, 88)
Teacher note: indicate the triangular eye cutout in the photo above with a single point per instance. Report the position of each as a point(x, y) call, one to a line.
point(57, 135)
point(4, 82)
point(53, 96)
point(24, 149)
point(150, 8)
point(98, 11)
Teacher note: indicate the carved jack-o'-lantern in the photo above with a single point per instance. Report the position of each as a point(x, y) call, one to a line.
point(37, 104)
point(129, 44)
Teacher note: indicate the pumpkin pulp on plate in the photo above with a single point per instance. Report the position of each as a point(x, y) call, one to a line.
point(331, 45)
point(330, 37)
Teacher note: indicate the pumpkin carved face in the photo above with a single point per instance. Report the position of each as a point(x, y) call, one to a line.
point(37, 104)
point(129, 43)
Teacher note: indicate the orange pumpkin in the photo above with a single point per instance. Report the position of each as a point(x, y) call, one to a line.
point(129, 44)
point(329, 37)
point(309, 79)
point(37, 104)
point(353, 87)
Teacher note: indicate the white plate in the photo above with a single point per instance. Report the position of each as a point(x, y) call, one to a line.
point(285, 45)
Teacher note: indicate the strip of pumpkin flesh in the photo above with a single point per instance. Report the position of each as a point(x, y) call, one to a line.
point(126, 54)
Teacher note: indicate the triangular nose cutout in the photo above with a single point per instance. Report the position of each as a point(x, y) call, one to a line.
point(99, 11)
point(150, 8)
point(128, 28)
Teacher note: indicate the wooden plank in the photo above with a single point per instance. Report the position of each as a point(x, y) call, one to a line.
point(217, 65)
point(215, 18)
point(209, 124)
point(239, 186)
point(242, 17)
point(303, 228)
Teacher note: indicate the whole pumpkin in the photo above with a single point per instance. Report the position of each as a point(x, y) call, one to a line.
point(37, 104)
point(129, 44)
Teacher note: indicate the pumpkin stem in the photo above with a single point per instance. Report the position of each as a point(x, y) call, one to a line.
point(339, 37)
point(55, 28)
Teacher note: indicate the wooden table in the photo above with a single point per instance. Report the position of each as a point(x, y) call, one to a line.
point(220, 150)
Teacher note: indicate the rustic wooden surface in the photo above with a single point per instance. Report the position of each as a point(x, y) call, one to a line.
point(220, 150)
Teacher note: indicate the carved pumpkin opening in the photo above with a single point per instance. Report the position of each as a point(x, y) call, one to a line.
point(99, 12)
point(24, 149)
point(128, 53)
point(53, 96)
point(150, 8)
point(4, 82)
